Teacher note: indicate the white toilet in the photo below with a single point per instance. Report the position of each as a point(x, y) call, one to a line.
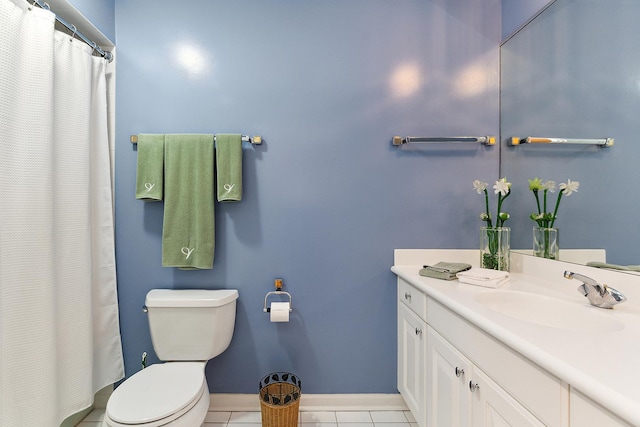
point(188, 327)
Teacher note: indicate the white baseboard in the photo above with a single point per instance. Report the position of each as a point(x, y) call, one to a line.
point(314, 402)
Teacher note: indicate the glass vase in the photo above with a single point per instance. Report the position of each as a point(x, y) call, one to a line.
point(545, 243)
point(494, 248)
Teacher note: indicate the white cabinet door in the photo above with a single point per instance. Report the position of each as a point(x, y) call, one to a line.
point(411, 362)
point(587, 413)
point(494, 407)
point(448, 372)
point(459, 394)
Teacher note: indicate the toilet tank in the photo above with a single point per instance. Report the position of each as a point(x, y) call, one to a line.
point(191, 324)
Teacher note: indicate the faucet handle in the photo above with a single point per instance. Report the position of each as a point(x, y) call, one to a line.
point(584, 291)
point(615, 295)
point(605, 299)
point(598, 295)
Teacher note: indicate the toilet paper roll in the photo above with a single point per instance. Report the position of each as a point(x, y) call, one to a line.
point(280, 311)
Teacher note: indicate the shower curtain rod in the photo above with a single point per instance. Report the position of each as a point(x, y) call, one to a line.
point(106, 55)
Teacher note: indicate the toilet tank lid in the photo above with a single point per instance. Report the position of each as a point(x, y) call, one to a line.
point(190, 297)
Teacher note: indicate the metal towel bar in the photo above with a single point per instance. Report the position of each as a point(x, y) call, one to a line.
point(602, 142)
point(486, 140)
point(255, 140)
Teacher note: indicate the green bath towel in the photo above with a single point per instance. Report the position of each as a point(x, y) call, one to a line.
point(150, 172)
point(229, 167)
point(188, 233)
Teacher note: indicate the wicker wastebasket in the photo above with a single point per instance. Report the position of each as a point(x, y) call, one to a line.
point(280, 399)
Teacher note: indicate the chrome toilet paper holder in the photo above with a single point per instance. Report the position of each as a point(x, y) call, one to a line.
point(278, 284)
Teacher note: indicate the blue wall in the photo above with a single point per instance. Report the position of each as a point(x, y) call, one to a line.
point(327, 198)
point(516, 13)
point(101, 13)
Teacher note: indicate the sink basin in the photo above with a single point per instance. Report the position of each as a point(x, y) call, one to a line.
point(548, 311)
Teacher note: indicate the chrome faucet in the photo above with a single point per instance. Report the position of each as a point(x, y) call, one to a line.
point(598, 295)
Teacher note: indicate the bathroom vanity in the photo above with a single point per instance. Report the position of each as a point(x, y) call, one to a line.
point(533, 352)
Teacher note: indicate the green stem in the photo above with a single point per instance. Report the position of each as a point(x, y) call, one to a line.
point(500, 222)
point(486, 206)
point(535, 193)
point(546, 243)
point(555, 211)
point(494, 259)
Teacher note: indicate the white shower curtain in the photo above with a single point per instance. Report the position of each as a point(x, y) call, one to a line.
point(59, 330)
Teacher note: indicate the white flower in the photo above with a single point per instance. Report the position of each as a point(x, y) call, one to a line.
point(502, 186)
point(544, 218)
point(479, 186)
point(569, 187)
point(503, 189)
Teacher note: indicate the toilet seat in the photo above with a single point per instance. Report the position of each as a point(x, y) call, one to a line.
point(158, 395)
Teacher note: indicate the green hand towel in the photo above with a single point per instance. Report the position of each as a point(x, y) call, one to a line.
point(229, 167)
point(598, 264)
point(444, 270)
point(188, 233)
point(150, 170)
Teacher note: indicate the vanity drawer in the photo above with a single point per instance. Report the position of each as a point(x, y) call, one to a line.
point(545, 395)
point(413, 298)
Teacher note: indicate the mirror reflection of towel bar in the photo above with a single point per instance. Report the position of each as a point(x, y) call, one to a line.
point(602, 142)
point(486, 140)
point(255, 139)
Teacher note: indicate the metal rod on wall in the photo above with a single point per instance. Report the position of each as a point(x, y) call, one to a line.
point(602, 142)
point(486, 140)
point(255, 139)
point(44, 5)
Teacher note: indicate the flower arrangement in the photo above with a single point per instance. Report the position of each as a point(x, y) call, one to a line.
point(494, 243)
point(503, 189)
point(545, 218)
point(545, 237)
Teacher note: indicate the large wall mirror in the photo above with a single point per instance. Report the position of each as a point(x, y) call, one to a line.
point(574, 72)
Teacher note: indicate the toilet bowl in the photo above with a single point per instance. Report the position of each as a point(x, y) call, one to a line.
point(188, 327)
point(169, 394)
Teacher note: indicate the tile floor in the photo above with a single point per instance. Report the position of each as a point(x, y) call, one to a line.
point(307, 419)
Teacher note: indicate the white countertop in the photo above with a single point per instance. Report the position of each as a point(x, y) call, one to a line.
point(604, 365)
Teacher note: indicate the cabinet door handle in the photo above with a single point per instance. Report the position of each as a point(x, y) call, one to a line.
point(459, 372)
point(407, 296)
point(418, 331)
point(473, 386)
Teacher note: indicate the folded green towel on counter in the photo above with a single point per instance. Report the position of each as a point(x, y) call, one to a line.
point(444, 270)
point(613, 266)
